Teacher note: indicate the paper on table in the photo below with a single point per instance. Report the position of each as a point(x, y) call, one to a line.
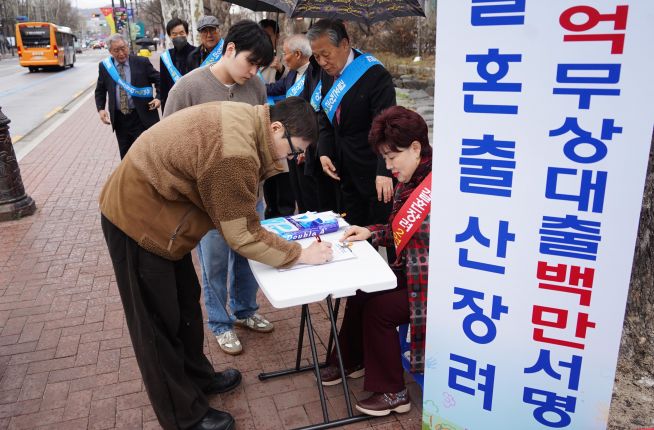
point(341, 252)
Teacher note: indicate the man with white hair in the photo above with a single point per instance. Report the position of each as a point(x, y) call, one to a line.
point(128, 80)
point(295, 186)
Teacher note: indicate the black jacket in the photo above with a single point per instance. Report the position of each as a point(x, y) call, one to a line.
point(179, 59)
point(281, 86)
point(346, 142)
point(196, 57)
point(142, 75)
point(313, 74)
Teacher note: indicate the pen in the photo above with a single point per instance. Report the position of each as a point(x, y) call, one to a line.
point(318, 238)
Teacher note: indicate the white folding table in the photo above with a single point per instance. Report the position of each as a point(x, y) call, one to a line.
point(368, 272)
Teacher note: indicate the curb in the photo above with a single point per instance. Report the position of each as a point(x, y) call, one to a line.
point(35, 136)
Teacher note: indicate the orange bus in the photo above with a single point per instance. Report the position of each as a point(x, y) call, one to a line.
point(44, 45)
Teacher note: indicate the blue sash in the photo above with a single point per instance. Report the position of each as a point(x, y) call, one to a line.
point(270, 99)
point(342, 85)
point(316, 97)
point(144, 92)
point(215, 54)
point(291, 92)
point(297, 87)
point(172, 70)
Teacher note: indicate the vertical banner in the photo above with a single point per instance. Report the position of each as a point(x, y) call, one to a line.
point(108, 15)
point(543, 124)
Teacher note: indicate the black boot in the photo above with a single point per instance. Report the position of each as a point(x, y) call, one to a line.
point(223, 382)
point(215, 420)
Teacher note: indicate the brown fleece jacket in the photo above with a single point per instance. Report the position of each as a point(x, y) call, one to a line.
point(194, 170)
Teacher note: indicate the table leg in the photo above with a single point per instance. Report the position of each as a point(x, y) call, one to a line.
point(346, 389)
point(331, 333)
point(314, 355)
point(297, 368)
point(306, 321)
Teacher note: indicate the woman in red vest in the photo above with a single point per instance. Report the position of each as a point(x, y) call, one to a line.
point(368, 337)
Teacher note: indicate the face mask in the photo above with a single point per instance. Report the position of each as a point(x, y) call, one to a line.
point(179, 42)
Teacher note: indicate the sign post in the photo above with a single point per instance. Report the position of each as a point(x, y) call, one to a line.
point(542, 126)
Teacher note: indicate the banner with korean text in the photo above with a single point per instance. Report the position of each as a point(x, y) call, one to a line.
point(543, 122)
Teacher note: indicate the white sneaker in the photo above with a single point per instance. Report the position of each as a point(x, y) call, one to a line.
point(229, 343)
point(256, 323)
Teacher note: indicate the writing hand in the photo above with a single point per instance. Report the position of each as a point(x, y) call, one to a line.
point(316, 253)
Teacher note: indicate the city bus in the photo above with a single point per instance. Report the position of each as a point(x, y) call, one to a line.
point(44, 45)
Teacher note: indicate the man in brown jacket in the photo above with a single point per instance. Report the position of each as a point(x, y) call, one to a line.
point(156, 206)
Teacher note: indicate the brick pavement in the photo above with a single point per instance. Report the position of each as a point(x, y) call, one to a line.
point(66, 360)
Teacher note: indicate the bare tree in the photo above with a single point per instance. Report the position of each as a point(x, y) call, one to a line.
point(637, 343)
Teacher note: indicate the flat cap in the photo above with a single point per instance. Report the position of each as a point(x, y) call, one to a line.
point(208, 21)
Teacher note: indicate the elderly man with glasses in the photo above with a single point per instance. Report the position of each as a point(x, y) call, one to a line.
point(210, 49)
point(127, 80)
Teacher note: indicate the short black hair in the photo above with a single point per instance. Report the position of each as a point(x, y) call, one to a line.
point(334, 29)
point(247, 35)
point(174, 23)
point(269, 23)
point(298, 117)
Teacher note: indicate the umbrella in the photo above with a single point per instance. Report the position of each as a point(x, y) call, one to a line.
point(365, 11)
point(259, 6)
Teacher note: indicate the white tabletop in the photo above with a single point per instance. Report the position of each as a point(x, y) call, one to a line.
point(368, 272)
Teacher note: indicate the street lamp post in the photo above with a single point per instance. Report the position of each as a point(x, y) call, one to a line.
point(14, 203)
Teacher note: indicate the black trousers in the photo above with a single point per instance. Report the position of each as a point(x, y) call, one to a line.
point(128, 129)
point(368, 336)
point(359, 198)
point(278, 194)
point(161, 299)
point(304, 188)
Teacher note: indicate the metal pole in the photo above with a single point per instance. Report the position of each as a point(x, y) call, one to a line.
point(14, 203)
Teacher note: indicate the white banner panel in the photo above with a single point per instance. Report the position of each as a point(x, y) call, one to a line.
point(544, 113)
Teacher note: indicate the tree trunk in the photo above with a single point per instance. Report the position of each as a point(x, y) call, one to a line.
point(637, 344)
point(179, 9)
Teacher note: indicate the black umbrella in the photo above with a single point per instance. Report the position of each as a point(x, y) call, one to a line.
point(259, 6)
point(365, 11)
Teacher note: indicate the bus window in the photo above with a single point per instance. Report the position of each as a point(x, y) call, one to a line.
point(35, 36)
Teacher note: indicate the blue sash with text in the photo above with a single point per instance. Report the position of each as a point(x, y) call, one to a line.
point(316, 97)
point(342, 85)
point(297, 87)
point(172, 70)
point(214, 55)
point(144, 92)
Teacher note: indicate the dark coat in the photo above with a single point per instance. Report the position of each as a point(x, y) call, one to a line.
point(346, 142)
point(313, 75)
point(179, 59)
point(196, 57)
point(143, 74)
point(280, 87)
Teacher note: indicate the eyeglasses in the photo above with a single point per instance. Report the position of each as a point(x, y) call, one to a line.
point(295, 152)
point(123, 48)
point(208, 30)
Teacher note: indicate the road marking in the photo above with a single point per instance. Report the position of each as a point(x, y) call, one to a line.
point(77, 94)
point(52, 112)
point(15, 139)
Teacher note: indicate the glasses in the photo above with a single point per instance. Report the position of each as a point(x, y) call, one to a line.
point(208, 30)
point(295, 152)
point(119, 49)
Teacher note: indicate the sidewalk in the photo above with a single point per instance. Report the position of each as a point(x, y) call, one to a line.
point(66, 360)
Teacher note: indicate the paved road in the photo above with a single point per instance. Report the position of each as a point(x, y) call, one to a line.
point(28, 99)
